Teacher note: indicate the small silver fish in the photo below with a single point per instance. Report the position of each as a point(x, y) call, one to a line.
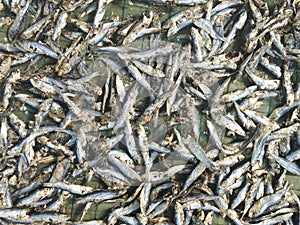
point(99, 196)
point(18, 22)
point(265, 202)
point(60, 23)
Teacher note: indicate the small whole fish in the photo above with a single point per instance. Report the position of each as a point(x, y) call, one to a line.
point(149, 112)
point(265, 202)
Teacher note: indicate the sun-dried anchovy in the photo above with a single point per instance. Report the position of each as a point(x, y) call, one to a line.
point(163, 133)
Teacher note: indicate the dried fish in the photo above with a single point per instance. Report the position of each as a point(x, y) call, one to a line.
point(18, 124)
point(101, 196)
point(72, 188)
point(262, 83)
point(19, 20)
point(168, 130)
point(262, 204)
point(61, 22)
point(288, 165)
point(239, 94)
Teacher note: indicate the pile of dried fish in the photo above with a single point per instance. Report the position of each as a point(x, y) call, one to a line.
point(164, 134)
